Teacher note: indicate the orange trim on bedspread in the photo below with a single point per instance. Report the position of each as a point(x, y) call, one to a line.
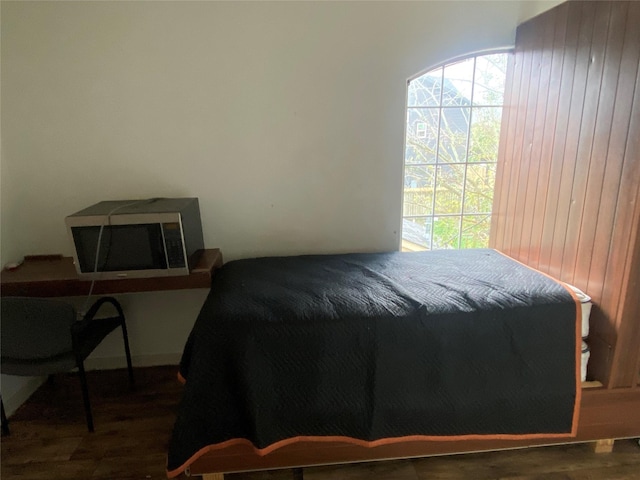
point(410, 438)
point(363, 443)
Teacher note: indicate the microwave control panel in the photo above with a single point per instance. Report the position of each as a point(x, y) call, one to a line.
point(174, 246)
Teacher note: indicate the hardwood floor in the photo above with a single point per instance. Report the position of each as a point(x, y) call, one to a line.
point(49, 440)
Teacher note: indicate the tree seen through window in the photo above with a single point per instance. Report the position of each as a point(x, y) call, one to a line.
point(453, 129)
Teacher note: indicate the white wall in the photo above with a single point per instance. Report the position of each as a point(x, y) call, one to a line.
point(286, 119)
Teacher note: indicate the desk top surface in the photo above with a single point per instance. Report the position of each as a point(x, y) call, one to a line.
point(55, 276)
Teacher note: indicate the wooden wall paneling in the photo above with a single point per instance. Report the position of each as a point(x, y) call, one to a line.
point(585, 142)
point(620, 79)
point(628, 318)
point(572, 141)
point(498, 216)
point(587, 276)
point(526, 170)
point(525, 173)
point(598, 162)
point(548, 136)
point(537, 110)
point(624, 370)
point(569, 206)
point(561, 128)
point(513, 151)
point(508, 110)
point(612, 178)
point(624, 147)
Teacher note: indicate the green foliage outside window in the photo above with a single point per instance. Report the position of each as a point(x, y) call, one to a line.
point(453, 129)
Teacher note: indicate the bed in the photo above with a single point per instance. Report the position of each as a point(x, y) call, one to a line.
point(375, 351)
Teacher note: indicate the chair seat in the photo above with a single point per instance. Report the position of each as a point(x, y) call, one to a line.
point(90, 335)
point(43, 336)
point(40, 367)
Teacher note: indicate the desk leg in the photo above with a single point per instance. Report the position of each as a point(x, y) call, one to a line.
point(5, 421)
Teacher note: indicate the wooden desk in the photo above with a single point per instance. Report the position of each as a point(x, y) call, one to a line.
point(55, 276)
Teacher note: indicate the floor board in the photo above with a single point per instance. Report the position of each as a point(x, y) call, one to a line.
point(49, 440)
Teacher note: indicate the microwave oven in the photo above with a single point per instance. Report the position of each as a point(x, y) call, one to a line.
point(136, 238)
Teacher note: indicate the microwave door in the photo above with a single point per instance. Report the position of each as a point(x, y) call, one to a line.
point(123, 249)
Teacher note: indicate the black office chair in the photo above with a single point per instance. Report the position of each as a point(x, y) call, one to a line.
point(43, 336)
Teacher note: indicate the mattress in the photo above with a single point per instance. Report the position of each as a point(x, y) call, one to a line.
point(377, 348)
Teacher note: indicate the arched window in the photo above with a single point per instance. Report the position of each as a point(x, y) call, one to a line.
point(453, 129)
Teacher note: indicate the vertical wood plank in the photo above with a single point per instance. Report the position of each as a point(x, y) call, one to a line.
point(626, 321)
point(498, 216)
point(571, 51)
point(506, 161)
point(548, 136)
point(615, 219)
point(570, 153)
point(525, 57)
point(539, 109)
point(624, 372)
point(583, 155)
point(524, 143)
point(570, 57)
point(599, 163)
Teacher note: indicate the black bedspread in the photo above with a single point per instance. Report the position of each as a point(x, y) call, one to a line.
point(377, 346)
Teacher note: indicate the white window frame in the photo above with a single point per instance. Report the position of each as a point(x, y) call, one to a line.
point(404, 245)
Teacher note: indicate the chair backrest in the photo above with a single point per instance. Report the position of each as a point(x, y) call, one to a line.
point(35, 328)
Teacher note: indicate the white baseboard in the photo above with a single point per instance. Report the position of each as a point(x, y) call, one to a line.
point(17, 398)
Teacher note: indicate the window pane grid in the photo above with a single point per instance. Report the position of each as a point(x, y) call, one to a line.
point(449, 107)
point(450, 160)
point(450, 164)
point(449, 215)
point(464, 184)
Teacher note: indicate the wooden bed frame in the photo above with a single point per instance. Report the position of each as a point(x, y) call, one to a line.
point(605, 415)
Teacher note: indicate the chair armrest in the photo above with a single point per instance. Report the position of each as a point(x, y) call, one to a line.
point(96, 306)
point(80, 326)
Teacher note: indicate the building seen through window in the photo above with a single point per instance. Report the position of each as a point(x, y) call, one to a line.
point(452, 135)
